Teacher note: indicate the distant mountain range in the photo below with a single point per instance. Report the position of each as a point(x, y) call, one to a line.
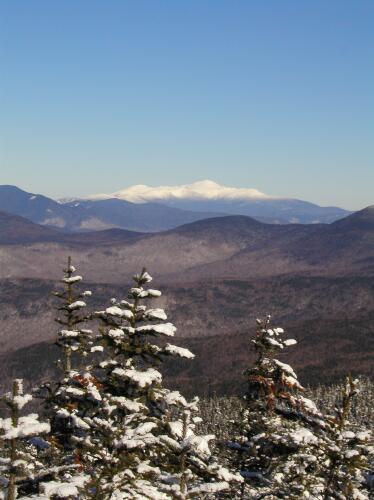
point(86, 215)
point(208, 196)
point(145, 209)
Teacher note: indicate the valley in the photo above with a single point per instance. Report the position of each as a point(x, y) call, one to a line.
point(216, 276)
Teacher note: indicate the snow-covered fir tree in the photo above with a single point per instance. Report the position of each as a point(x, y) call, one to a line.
point(348, 451)
point(65, 398)
point(72, 338)
point(75, 396)
point(277, 447)
point(143, 442)
point(21, 436)
point(192, 470)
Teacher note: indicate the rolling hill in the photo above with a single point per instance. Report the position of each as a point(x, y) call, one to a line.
point(231, 247)
point(18, 230)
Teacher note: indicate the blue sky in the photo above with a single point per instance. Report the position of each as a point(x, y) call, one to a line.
point(275, 95)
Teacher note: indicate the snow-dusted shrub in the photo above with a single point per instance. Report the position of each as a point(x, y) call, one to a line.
point(219, 412)
point(361, 408)
point(348, 451)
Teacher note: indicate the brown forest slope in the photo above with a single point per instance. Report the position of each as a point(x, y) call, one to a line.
point(226, 247)
point(326, 351)
point(217, 276)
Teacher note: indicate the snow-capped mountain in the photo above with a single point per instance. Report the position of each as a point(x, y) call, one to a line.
point(147, 209)
point(208, 196)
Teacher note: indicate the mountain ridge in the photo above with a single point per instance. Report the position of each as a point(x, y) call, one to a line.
point(210, 196)
point(81, 216)
point(230, 247)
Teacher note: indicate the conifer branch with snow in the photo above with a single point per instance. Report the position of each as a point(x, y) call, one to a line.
point(20, 467)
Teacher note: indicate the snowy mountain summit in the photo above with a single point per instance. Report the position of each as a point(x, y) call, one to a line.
point(209, 196)
point(201, 190)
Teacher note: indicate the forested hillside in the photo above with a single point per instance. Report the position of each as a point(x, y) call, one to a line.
point(217, 276)
point(110, 427)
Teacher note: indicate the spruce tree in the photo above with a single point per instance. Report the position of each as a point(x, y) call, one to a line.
point(71, 399)
point(20, 467)
point(72, 338)
point(144, 440)
point(65, 398)
point(277, 446)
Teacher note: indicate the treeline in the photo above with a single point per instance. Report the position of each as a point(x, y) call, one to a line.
point(109, 429)
point(219, 412)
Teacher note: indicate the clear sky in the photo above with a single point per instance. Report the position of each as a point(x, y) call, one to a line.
point(276, 95)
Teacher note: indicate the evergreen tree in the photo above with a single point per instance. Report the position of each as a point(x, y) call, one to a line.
point(193, 471)
point(64, 400)
point(72, 338)
point(20, 467)
point(144, 441)
point(277, 446)
point(348, 451)
point(72, 398)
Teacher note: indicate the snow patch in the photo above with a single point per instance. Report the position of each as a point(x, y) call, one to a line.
point(141, 378)
point(179, 351)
